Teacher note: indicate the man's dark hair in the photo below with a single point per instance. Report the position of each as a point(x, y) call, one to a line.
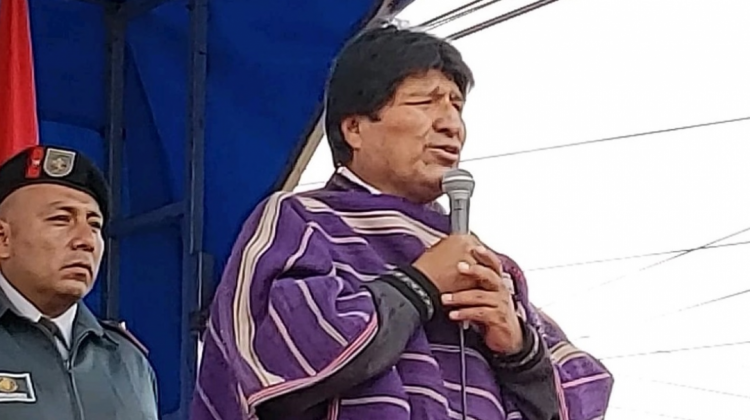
point(369, 69)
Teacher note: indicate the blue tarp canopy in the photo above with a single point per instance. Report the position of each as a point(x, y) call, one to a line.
point(129, 84)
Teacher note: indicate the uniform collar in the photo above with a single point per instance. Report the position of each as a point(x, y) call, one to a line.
point(86, 322)
point(77, 320)
point(4, 304)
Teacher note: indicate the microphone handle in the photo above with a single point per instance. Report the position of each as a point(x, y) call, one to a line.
point(460, 216)
point(460, 225)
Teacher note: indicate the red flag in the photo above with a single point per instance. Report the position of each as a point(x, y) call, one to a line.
point(18, 119)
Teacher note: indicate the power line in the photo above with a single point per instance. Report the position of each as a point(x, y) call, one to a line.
point(606, 139)
point(630, 257)
point(662, 315)
point(585, 143)
point(685, 386)
point(473, 7)
point(706, 303)
point(649, 413)
point(648, 321)
point(656, 264)
point(500, 19)
point(680, 350)
point(454, 14)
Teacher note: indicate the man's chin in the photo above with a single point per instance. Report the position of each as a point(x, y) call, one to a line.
point(438, 171)
point(436, 174)
point(74, 288)
point(429, 191)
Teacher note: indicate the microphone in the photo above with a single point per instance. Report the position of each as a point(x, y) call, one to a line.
point(458, 184)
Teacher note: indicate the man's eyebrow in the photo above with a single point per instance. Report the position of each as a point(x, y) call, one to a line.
point(454, 95)
point(93, 213)
point(58, 204)
point(436, 92)
point(61, 205)
point(418, 92)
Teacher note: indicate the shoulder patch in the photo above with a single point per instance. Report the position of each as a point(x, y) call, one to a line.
point(119, 328)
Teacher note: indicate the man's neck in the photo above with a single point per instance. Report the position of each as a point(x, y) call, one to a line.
point(350, 175)
point(62, 316)
point(29, 305)
point(353, 177)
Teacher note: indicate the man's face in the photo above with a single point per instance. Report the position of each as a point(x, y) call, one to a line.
point(418, 137)
point(51, 242)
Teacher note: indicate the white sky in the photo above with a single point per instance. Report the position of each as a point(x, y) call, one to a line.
point(581, 70)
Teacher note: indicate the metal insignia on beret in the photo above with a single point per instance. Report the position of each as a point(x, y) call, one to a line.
point(59, 163)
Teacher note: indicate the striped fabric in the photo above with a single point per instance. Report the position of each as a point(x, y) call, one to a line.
point(290, 312)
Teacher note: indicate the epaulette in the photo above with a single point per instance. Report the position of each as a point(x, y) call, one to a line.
point(119, 327)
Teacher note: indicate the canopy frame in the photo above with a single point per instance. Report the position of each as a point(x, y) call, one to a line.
point(197, 269)
point(197, 265)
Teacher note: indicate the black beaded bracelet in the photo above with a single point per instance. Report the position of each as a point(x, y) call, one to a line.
point(529, 355)
point(424, 282)
point(416, 288)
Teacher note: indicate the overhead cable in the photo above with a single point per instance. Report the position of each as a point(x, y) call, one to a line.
point(607, 139)
point(630, 257)
point(451, 14)
point(584, 143)
point(500, 19)
point(679, 350)
point(654, 265)
point(649, 321)
point(456, 14)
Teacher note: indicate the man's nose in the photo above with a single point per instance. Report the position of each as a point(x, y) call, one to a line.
point(449, 122)
point(84, 237)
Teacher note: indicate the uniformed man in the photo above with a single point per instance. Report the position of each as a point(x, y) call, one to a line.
point(57, 361)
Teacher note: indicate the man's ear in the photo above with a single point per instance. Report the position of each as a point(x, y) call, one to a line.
point(351, 128)
point(4, 239)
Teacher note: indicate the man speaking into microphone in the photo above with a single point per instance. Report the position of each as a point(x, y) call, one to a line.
point(346, 302)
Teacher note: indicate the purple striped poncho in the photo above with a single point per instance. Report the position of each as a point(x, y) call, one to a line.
point(290, 312)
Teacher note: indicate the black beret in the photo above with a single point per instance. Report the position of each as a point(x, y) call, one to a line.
point(54, 165)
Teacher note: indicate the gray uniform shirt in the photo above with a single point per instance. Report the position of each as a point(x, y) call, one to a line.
point(102, 375)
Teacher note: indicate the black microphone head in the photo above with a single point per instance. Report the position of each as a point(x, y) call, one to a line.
point(458, 183)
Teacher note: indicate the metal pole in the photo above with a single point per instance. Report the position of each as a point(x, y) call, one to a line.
point(193, 270)
point(114, 134)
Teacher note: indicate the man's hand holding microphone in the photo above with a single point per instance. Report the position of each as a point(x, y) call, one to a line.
point(474, 289)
